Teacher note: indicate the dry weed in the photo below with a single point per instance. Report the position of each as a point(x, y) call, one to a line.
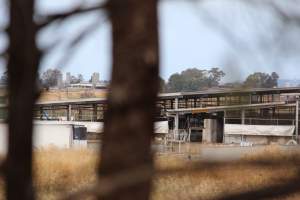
point(60, 171)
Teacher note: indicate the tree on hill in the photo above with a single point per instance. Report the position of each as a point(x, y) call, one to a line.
point(162, 85)
point(214, 76)
point(262, 80)
point(50, 77)
point(194, 79)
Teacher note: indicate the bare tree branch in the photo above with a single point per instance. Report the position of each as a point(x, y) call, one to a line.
point(2, 168)
point(278, 190)
point(48, 19)
point(133, 92)
point(73, 44)
point(224, 30)
point(283, 15)
point(23, 64)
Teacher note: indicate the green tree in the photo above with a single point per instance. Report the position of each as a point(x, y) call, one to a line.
point(215, 76)
point(175, 83)
point(50, 77)
point(162, 83)
point(193, 79)
point(262, 80)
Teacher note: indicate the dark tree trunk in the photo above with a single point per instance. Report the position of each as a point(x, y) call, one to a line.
point(22, 70)
point(131, 102)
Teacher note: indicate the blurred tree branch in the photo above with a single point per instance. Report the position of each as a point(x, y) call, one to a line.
point(277, 190)
point(48, 19)
point(131, 109)
point(23, 64)
point(76, 40)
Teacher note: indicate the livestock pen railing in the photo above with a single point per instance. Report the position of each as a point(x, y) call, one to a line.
point(175, 138)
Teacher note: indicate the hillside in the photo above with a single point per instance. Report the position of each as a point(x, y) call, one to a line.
point(64, 94)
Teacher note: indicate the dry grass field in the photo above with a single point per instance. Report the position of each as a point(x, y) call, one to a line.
point(57, 172)
point(65, 94)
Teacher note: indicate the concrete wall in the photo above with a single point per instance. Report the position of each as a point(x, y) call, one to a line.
point(58, 135)
point(254, 139)
point(3, 139)
point(46, 134)
point(94, 127)
point(210, 131)
point(258, 134)
point(98, 127)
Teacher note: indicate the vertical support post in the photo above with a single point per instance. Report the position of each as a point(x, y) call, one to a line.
point(176, 122)
point(224, 126)
point(176, 103)
point(94, 112)
point(190, 132)
point(243, 116)
point(79, 114)
point(69, 112)
point(41, 112)
point(297, 118)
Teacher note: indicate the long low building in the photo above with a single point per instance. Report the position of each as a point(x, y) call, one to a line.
point(206, 116)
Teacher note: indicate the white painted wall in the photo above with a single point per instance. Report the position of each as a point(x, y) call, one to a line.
point(3, 139)
point(45, 135)
point(58, 135)
point(263, 130)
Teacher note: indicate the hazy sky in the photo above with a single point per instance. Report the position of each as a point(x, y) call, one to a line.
point(187, 39)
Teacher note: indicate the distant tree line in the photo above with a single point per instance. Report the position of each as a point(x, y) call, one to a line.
point(51, 77)
point(194, 79)
point(191, 79)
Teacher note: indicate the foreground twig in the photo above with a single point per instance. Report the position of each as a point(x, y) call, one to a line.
point(278, 190)
point(61, 16)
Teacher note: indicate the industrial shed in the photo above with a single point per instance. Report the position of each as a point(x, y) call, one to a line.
point(203, 115)
point(50, 134)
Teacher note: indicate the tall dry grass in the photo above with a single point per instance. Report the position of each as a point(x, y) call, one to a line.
point(217, 182)
point(57, 172)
